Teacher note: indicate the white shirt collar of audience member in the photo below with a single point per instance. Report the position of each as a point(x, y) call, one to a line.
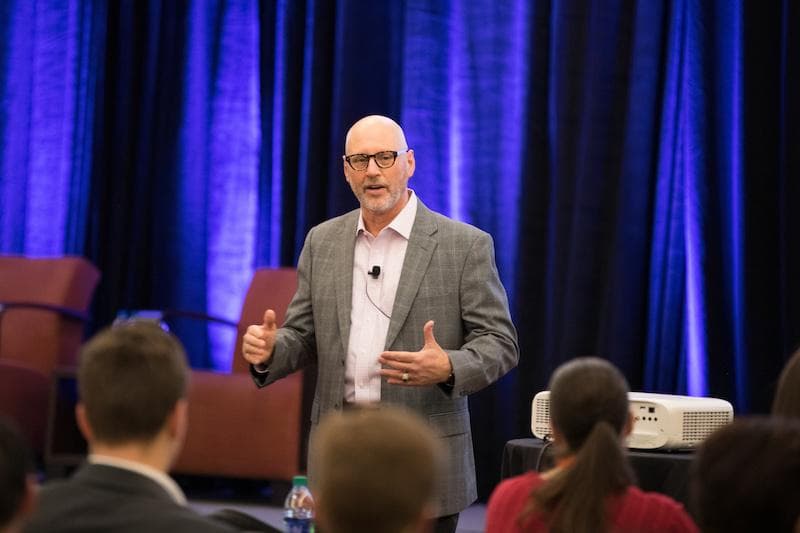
point(166, 482)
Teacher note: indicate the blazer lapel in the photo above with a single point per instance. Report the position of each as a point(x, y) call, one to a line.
point(343, 275)
point(421, 245)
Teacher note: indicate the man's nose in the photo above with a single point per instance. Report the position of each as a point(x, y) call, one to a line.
point(372, 167)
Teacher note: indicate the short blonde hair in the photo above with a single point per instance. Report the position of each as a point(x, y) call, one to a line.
point(375, 469)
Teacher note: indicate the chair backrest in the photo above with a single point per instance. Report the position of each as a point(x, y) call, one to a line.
point(38, 338)
point(271, 288)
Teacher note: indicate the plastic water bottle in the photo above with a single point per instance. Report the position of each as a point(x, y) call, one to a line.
point(298, 509)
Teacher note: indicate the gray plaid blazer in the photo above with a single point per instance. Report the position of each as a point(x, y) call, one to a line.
point(449, 276)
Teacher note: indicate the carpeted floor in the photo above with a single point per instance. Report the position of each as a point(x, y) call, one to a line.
point(470, 521)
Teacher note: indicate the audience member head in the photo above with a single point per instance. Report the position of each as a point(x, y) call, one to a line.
point(746, 477)
point(787, 396)
point(132, 381)
point(375, 470)
point(590, 417)
point(17, 485)
point(587, 394)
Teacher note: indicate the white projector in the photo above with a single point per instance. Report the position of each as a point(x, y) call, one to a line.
point(660, 421)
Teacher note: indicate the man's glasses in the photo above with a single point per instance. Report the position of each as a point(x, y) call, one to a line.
point(383, 159)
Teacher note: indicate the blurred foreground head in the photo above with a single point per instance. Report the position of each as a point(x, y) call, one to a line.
point(787, 396)
point(17, 485)
point(376, 469)
point(132, 380)
point(746, 477)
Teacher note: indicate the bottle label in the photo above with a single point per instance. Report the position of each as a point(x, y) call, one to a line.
point(299, 525)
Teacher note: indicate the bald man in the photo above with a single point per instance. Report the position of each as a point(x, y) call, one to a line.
point(396, 304)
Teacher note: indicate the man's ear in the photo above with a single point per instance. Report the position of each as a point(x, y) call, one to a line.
point(628, 428)
point(555, 435)
point(424, 523)
point(83, 422)
point(178, 420)
point(411, 163)
point(29, 499)
point(320, 513)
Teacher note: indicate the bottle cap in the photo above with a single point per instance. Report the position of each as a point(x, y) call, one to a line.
point(300, 481)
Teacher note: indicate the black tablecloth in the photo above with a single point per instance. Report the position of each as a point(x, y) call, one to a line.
point(665, 472)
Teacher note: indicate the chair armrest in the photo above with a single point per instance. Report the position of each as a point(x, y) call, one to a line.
point(64, 311)
point(195, 315)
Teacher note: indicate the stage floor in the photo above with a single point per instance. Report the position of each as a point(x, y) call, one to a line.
point(470, 521)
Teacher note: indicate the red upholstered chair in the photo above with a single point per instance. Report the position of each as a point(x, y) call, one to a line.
point(43, 307)
point(236, 429)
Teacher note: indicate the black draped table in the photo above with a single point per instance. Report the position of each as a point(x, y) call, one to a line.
point(657, 471)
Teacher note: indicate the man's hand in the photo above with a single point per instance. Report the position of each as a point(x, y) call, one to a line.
point(428, 366)
point(259, 340)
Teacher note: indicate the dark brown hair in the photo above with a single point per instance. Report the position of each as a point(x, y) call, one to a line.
point(746, 477)
point(16, 463)
point(589, 410)
point(130, 377)
point(374, 469)
point(787, 396)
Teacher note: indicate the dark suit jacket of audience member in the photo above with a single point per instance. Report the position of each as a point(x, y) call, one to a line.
point(103, 498)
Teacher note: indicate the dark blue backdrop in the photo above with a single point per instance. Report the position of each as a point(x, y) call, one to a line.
point(635, 162)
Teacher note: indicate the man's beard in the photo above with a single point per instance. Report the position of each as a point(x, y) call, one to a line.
point(380, 206)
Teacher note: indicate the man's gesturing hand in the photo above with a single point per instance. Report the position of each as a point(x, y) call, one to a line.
point(259, 340)
point(428, 366)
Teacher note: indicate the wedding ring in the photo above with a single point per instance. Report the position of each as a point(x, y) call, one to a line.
point(404, 377)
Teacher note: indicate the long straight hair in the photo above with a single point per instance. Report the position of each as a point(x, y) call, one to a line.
point(589, 410)
point(787, 396)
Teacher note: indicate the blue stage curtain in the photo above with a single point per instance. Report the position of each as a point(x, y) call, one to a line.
point(51, 54)
point(633, 160)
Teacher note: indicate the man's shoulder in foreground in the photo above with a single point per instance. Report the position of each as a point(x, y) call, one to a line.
point(107, 499)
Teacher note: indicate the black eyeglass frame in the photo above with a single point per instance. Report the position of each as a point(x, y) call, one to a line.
point(374, 156)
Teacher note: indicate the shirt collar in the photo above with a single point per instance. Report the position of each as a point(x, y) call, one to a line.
point(404, 220)
point(166, 482)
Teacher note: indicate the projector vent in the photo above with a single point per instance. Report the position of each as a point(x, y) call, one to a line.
point(698, 425)
point(541, 421)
